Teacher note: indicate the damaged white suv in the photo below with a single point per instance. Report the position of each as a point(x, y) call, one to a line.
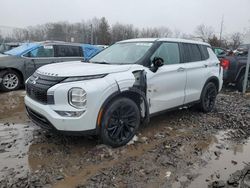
point(123, 86)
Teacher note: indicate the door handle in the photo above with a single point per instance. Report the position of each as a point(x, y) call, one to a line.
point(181, 69)
point(205, 65)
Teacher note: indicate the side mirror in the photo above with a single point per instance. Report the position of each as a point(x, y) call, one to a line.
point(158, 62)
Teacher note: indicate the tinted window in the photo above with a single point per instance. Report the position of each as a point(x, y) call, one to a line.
point(68, 51)
point(42, 51)
point(204, 52)
point(169, 52)
point(192, 53)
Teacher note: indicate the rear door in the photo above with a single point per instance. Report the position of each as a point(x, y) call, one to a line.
point(68, 53)
point(166, 86)
point(196, 66)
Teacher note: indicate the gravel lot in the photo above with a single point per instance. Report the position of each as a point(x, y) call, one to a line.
point(183, 148)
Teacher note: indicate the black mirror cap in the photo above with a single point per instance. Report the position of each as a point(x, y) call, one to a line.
point(158, 62)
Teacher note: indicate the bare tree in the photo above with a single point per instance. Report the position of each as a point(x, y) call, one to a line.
point(103, 33)
point(214, 41)
point(203, 32)
point(236, 40)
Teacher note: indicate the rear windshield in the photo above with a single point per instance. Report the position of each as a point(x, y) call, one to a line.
point(18, 51)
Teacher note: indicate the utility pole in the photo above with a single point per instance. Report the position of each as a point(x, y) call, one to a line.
point(246, 73)
point(221, 28)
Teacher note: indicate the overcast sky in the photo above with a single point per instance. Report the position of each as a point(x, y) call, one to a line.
point(183, 15)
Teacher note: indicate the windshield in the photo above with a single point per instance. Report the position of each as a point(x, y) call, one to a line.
point(18, 51)
point(122, 53)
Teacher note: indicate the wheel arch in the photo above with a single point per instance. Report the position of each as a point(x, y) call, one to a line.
point(132, 93)
point(241, 71)
point(214, 80)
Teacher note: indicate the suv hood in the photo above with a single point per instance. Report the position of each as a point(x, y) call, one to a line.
point(78, 68)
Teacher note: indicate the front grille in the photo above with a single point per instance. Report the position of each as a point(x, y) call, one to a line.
point(38, 85)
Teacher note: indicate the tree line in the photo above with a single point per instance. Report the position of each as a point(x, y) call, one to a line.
point(99, 31)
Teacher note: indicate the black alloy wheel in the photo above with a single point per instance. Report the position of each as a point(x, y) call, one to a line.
point(208, 97)
point(120, 122)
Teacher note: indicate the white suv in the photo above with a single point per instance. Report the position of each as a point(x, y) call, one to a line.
point(123, 86)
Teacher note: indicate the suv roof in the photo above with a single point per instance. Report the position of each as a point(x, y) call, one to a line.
point(57, 42)
point(164, 39)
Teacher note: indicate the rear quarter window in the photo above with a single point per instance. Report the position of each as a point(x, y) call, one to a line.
point(204, 52)
point(192, 52)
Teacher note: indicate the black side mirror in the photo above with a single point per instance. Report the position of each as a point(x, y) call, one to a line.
point(157, 62)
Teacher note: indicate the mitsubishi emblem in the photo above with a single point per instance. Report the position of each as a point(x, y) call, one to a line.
point(34, 81)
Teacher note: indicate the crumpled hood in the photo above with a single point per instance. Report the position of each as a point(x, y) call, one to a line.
point(78, 68)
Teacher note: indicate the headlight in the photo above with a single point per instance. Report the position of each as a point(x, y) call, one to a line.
point(77, 97)
point(81, 78)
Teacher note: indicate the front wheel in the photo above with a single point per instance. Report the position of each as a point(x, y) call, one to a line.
point(208, 97)
point(11, 80)
point(120, 122)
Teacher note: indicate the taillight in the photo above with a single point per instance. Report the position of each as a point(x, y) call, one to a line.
point(225, 63)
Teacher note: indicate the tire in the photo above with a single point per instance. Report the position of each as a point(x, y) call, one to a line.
point(120, 122)
point(240, 83)
point(208, 97)
point(11, 81)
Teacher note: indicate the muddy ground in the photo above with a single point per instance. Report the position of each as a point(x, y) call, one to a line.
point(183, 148)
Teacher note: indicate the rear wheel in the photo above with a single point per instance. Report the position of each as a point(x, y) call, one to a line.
point(11, 80)
point(240, 83)
point(120, 122)
point(208, 97)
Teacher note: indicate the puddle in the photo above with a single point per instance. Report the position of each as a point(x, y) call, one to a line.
point(14, 144)
point(12, 107)
point(224, 158)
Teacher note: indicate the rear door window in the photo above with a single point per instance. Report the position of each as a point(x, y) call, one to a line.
point(68, 51)
point(169, 52)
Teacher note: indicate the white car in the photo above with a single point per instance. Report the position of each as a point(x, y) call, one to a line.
point(123, 86)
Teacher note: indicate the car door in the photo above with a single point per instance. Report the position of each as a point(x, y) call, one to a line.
point(196, 68)
point(38, 57)
point(68, 53)
point(166, 86)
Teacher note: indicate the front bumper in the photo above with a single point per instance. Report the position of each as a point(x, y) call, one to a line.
point(45, 117)
point(42, 122)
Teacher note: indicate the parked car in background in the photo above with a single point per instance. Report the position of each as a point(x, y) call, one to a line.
point(123, 86)
point(102, 46)
point(220, 52)
point(19, 63)
point(234, 67)
point(8, 46)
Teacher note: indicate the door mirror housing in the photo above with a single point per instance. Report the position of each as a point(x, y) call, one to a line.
point(157, 62)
